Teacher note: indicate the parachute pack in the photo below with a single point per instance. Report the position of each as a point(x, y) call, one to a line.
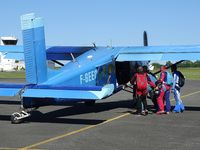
point(181, 80)
point(169, 78)
point(141, 81)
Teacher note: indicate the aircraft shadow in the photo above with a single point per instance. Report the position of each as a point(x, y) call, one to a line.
point(54, 117)
point(60, 116)
point(65, 115)
point(10, 102)
point(192, 108)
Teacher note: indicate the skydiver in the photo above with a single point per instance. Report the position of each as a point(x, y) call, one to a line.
point(152, 79)
point(164, 86)
point(176, 90)
point(140, 81)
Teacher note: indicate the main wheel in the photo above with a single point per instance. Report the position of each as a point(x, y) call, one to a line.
point(90, 102)
point(14, 118)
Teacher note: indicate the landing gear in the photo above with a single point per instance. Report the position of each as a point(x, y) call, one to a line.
point(18, 117)
point(90, 102)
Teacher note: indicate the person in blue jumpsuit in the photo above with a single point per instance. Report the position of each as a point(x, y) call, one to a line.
point(176, 90)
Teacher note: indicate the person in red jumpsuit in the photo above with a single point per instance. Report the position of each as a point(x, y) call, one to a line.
point(141, 79)
point(164, 92)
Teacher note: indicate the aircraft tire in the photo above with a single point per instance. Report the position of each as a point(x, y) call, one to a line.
point(90, 102)
point(14, 119)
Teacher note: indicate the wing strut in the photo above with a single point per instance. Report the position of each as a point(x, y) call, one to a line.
point(170, 66)
point(57, 62)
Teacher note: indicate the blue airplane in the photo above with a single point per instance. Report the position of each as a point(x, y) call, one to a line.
point(92, 73)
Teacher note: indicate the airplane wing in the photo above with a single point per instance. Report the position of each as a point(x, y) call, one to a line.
point(168, 53)
point(139, 53)
point(53, 52)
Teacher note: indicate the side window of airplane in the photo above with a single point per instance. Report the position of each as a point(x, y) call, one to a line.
point(106, 74)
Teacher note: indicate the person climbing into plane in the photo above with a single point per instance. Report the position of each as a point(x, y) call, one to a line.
point(151, 85)
point(164, 85)
point(140, 81)
point(178, 82)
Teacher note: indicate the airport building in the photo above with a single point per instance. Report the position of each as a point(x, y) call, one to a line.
point(9, 64)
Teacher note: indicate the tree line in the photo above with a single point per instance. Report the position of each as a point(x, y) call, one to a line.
point(183, 64)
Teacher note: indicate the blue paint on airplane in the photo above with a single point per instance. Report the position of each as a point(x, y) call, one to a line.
point(93, 73)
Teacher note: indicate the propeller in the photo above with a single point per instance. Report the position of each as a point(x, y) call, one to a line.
point(145, 38)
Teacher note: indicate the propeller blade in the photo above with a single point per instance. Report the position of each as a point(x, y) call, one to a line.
point(145, 39)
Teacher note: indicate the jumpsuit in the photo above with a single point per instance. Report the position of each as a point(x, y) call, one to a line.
point(176, 90)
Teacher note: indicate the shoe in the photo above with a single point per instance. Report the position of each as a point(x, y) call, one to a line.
point(146, 112)
point(167, 113)
point(160, 112)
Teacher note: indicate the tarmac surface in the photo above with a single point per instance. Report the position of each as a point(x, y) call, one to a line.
point(108, 125)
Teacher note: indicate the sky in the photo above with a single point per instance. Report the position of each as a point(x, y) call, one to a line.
point(107, 22)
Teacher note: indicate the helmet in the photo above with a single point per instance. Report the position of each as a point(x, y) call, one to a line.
point(140, 69)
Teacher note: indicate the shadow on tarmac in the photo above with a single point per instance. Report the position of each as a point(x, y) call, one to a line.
point(60, 116)
point(10, 102)
point(192, 108)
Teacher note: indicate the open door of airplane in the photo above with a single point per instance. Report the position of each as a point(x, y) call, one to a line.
point(123, 72)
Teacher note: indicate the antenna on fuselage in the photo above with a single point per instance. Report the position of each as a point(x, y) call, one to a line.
point(94, 44)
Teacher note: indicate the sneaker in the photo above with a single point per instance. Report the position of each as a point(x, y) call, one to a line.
point(167, 113)
point(143, 113)
point(146, 112)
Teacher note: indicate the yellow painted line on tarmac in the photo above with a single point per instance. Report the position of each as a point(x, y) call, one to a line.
point(187, 95)
point(74, 132)
point(9, 148)
point(85, 128)
point(190, 94)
